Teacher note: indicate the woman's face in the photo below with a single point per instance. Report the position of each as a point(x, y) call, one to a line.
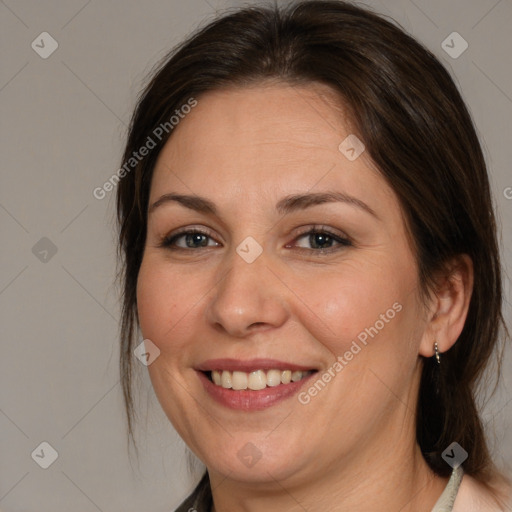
point(254, 293)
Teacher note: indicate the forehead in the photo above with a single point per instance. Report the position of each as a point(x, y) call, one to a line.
point(273, 114)
point(274, 137)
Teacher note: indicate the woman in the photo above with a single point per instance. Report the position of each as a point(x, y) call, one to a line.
point(310, 253)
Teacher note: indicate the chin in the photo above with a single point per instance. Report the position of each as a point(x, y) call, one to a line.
point(251, 462)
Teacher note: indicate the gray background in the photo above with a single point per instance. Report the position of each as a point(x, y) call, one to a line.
point(62, 125)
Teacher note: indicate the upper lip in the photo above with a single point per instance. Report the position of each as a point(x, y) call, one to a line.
point(249, 365)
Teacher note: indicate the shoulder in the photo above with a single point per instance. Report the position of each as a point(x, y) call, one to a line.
point(473, 496)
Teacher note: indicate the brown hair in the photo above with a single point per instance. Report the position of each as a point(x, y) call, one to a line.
point(418, 132)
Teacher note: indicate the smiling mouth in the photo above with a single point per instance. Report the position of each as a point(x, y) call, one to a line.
point(255, 380)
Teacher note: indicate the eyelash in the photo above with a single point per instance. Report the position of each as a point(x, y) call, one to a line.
point(169, 241)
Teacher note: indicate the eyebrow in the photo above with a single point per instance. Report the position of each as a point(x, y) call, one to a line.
point(286, 205)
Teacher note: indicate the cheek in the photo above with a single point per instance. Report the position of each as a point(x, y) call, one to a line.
point(169, 304)
point(373, 303)
point(158, 305)
point(345, 303)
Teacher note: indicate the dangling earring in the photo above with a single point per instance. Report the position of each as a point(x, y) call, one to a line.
point(437, 354)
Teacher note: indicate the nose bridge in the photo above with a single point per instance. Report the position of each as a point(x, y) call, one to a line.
point(248, 293)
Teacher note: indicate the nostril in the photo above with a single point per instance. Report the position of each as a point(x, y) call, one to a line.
point(257, 325)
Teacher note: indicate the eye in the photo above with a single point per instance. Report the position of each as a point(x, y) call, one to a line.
point(189, 239)
point(317, 239)
point(321, 240)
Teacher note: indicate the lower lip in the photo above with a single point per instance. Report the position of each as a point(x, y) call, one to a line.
point(248, 400)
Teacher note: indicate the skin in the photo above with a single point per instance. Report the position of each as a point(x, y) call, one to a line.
point(352, 447)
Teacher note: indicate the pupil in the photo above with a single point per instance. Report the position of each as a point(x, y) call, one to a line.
point(320, 240)
point(196, 238)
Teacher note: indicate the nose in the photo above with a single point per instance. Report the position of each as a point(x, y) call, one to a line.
point(248, 298)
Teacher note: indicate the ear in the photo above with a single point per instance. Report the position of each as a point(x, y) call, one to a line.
point(449, 306)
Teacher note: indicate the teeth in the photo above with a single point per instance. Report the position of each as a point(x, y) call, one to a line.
point(217, 379)
point(238, 381)
point(256, 380)
point(226, 380)
point(296, 376)
point(273, 378)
